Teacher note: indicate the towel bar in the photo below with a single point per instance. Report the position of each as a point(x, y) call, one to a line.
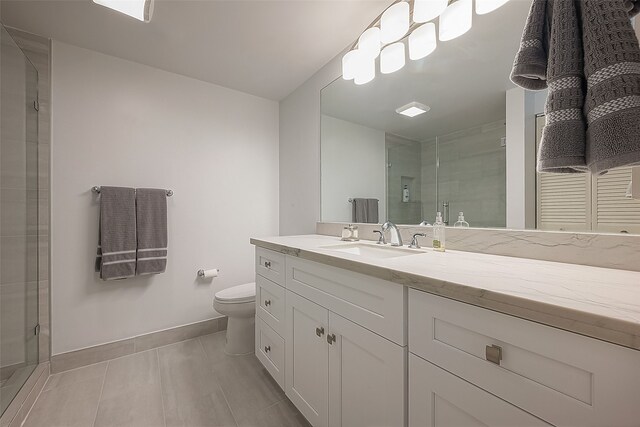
point(96, 189)
point(351, 200)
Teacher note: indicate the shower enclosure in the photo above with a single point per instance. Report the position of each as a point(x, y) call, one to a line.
point(19, 229)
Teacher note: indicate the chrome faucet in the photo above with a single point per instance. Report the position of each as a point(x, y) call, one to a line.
point(396, 239)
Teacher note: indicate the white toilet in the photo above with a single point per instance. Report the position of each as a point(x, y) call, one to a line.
point(238, 303)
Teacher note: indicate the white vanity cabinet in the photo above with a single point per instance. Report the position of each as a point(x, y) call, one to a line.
point(527, 373)
point(344, 336)
point(270, 312)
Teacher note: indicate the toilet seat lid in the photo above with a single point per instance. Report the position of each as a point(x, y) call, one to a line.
point(238, 294)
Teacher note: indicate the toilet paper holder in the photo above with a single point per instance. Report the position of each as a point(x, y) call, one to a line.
point(201, 272)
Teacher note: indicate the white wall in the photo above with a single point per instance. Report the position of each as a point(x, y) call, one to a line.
point(352, 165)
point(117, 122)
point(300, 153)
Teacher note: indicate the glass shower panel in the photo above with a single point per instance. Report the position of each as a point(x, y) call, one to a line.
point(472, 175)
point(18, 219)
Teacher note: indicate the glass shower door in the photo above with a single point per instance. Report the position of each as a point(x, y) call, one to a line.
point(18, 219)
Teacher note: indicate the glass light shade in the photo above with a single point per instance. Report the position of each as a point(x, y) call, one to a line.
point(349, 64)
point(394, 22)
point(455, 20)
point(369, 42)
point(422, 41)
point(426, 10)
point(486, 6)
point(139, 9)
point(392, 58)
point(365, 68)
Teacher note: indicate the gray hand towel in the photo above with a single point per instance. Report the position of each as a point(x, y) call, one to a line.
point(372, 211)
point(593, 75)
point(359, 210)
point(612, 69)
point(151, 219)
point(117, 233)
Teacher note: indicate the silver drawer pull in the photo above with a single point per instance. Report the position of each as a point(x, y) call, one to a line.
point(320, 331)
point(493, 353)
point(267, 264)
point(267, 302)
point(331, 338)
point(267, 348)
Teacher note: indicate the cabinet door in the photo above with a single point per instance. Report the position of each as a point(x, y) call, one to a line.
point(307, 376)
point(366, 377)
point(438, 398)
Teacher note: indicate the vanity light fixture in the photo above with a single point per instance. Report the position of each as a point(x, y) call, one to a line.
point(392, 58)
point(394, 22)
point(413, 109)
point(385, 36)
point(365, 68)
point(426, 10)
point(455, 20)
point(138, 9)
point(422, 41)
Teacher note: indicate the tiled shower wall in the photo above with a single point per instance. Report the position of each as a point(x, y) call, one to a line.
point(38, 51)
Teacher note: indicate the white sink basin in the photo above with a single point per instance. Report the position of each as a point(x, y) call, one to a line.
point(371, 251)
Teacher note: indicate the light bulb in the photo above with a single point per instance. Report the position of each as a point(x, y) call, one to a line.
point(455, 20)
point(369, 42)
point(426, 10)
point(392, 58)
point(422, 41)
point(394, 22)
point(486, 6)
point(365, 69)
point(349, 65)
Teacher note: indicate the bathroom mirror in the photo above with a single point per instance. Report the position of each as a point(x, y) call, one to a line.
point(473, 151)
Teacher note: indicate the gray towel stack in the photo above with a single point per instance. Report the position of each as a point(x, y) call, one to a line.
point(593, 75)
point(365, 210)
point(117, 233)
point(151, 219)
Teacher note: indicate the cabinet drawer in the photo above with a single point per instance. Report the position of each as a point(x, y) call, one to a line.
point(270, 264)
point(440, 399)
point(270, 351)
point(270, 304)
point(373, 303)
point(561, 377)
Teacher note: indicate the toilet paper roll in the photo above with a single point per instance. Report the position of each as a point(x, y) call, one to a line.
point(207, 274)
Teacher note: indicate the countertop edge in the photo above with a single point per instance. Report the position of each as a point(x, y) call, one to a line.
point(617, 331)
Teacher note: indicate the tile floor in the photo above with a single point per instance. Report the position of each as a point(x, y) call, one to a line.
point(190, 383)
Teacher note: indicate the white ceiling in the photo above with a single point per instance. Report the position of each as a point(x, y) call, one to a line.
point(266, 47)
point(464, 82)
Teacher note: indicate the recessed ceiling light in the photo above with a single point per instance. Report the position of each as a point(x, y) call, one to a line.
point(413, 109)
point(139, 9)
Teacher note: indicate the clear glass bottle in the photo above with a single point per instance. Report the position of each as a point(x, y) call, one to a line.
point(438, 233)
point(461, 223)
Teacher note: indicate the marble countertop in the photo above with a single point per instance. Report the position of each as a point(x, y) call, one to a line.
point(601, 303)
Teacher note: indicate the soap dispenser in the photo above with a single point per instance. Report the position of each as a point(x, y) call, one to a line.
point(461, 223)
point(438, 233)
point(405, 194)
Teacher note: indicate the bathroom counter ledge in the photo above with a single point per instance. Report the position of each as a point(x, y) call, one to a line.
point(596, 302)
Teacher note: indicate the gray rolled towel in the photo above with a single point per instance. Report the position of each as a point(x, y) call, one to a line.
point(612, 69)
point(116, 257)
point(151, 219)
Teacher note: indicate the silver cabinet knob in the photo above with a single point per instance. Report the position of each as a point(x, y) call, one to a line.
point(331, 338)
point(493, 353)
point(267, 302)
point(267, 348)
point(320, 331)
